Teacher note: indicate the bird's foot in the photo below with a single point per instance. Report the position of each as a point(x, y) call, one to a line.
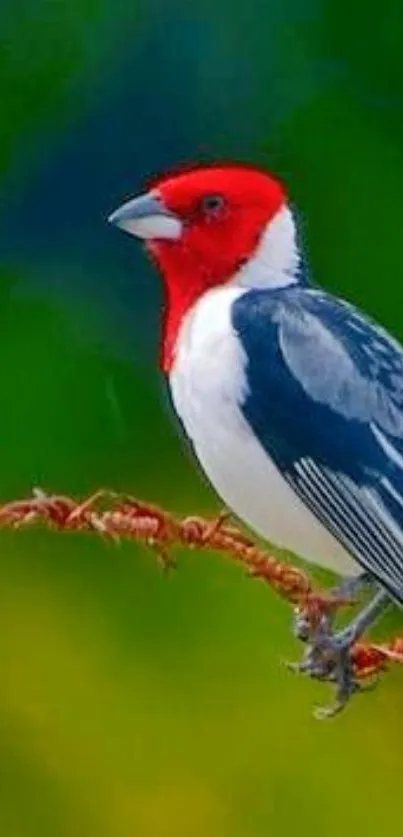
point(329, 654)
point(331, 661)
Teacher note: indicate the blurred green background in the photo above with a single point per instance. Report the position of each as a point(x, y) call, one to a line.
point(133, 704)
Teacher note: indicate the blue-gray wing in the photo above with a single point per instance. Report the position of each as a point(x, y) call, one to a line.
point(325, 398)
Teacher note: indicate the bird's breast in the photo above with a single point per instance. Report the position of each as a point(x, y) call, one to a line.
point(209, 384)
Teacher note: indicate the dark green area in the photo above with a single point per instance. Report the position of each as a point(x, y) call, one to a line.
point(130, 703)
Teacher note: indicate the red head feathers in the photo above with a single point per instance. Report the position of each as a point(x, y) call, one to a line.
point(201, 226)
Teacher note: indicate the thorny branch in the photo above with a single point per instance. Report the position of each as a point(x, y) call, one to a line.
point(117, 516)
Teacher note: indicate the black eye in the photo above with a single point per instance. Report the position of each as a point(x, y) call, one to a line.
point(213, 204)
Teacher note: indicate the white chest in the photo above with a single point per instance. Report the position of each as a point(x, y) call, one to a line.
point(208, 385)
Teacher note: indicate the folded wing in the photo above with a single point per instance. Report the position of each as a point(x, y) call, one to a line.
point(325, 398)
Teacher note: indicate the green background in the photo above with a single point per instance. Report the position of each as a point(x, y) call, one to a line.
point(133, 704)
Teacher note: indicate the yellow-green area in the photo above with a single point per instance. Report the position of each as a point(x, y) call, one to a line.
point(133, 703)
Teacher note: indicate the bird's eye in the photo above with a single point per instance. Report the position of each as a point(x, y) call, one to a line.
point(213, 204)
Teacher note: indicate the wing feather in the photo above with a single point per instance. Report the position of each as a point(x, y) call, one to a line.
point(325, 398)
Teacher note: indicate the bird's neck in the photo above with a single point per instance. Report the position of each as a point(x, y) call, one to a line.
point(276, 263)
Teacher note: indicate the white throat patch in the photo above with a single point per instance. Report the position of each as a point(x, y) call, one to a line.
point(276, 260)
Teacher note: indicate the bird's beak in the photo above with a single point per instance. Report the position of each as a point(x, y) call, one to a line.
point(147, 218)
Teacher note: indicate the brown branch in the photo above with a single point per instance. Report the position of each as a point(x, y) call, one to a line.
point(116, 516)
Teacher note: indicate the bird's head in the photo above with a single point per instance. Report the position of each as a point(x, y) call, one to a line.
point(210, 226)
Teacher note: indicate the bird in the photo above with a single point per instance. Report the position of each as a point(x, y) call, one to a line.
point(292, 398)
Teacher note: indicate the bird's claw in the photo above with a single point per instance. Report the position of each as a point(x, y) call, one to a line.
point(331, 654)
point(322, 713)
point(329, 659)
point(345, 692)
point(307, 667)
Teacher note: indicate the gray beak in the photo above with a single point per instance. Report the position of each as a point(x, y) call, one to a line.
point(146, 217)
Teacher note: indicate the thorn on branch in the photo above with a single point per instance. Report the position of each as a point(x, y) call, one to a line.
point(123, 516)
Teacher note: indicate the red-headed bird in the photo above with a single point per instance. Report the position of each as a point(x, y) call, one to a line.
point(292, 398)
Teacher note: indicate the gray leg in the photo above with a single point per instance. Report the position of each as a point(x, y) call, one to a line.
point(352, 586)
point(329, 654)
point(349, 588)
point(347, 637)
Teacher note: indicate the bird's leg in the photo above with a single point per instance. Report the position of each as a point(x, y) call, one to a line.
point(345, 638)
point(352, 586)
point(329, 654)
point(347, 591)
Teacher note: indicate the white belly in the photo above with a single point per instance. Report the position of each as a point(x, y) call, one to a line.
point(208, 384)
